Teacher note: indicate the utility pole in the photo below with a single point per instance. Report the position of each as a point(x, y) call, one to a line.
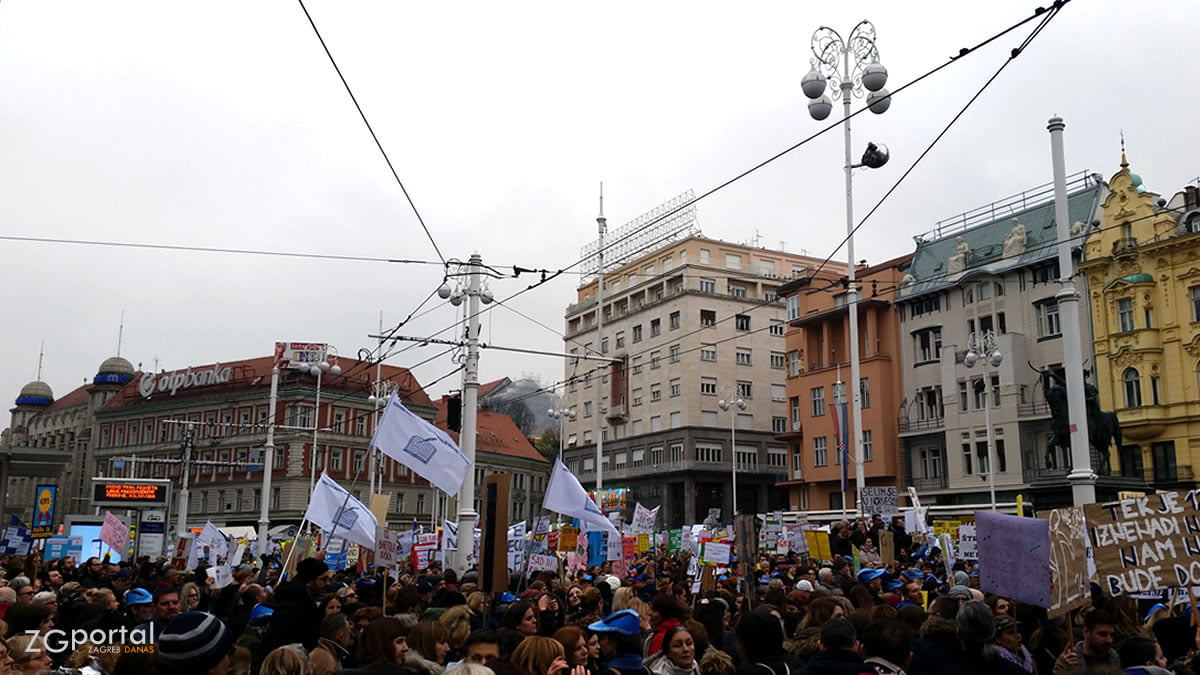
point(1083, 481)
point(601, 227)
point(189, 436)
point(470, 408)
point(264, 506)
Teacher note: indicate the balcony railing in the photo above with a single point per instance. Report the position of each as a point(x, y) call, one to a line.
point(1035, 409)
point(935, 483)
point(1181, 474)
point(909, 424)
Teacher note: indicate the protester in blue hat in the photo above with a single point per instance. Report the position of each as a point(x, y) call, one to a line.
point(620, 636)
point(870, 577)
point(140, 606)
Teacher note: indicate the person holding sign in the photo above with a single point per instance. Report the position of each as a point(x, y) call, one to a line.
point(1095, 649)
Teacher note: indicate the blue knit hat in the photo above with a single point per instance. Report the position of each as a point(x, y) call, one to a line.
point(625, 622)
point(192, 643)
point(138, 596)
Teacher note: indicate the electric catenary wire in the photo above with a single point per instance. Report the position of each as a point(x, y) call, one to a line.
point(374, 137)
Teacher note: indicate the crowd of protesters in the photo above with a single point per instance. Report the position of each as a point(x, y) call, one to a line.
point(782, 615)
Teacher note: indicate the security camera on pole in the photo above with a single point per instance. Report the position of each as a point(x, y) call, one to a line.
point(860, 70)
point(474, 293)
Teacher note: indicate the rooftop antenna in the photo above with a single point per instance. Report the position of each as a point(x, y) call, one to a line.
point(121, 332)
point(41, 354)
point(1124, 162)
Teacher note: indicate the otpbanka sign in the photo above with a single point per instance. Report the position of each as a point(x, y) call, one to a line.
point(173, 382)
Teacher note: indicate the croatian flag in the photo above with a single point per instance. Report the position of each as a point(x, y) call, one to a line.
point(422, 447)
point(838, 411)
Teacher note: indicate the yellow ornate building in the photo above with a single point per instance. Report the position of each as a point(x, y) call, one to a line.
point(1142, 267)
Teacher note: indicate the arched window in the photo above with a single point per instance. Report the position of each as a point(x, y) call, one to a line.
point(1133, 388)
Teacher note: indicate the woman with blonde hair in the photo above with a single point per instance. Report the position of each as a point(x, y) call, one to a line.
point(29, 654)
point(189, 598)
point(6, 659)
point(286, 660)
point(102, 597)
point(622, 597)
point(536, 655)
point(457, 621)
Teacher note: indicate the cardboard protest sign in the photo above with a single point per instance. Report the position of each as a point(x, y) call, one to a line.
point(568, 539)
point(1147, 543)
point(1068, 569)
point(887, 547)
point(1014, 556)
point(881, 500)
point(643, 542)
point(796, 539)
point(113, 532)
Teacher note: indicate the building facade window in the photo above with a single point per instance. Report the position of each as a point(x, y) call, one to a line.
point(793, 307)
point(1133, 388)
point(676, 389)
point(868, 448)
point(708, 386)
point(928, 345)
point(1195, 293)
point(708, 317)
point(673, 320)
point(1124, 315)
point(742, 322)
point(1049, 323)
point(864, 391)
point(743, 356)
point(778, 360)
point(777, 328)
point(779, 425)
point(794, 404)
point(820, 451)
point(708, 352)
point(708, 285)
point(745, 389)
point(818, 401)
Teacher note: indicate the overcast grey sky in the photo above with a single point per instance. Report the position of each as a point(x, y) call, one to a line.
point(223, 124)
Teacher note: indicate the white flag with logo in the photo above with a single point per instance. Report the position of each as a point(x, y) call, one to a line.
point(422, 447)
point(214, 540)
point(333, 509)
point(565, 495)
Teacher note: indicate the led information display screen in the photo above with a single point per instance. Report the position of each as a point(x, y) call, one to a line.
point(130, 493)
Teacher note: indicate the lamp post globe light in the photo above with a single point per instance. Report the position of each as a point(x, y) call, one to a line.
point(562, 414)
point(328, 364)
point(851, 66)
point(728, 402)
point(987, 348)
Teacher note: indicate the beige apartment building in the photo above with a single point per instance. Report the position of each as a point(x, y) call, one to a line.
point(980, 273)
point(694, 323)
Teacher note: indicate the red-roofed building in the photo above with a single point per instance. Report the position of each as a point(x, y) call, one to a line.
point(500, 447)
point(143, 428)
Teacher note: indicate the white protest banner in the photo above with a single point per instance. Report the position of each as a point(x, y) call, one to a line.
point(543, 563)
point(796, 539)
point(213, 539)
point(114, 532)
point(541, 525)
point(643, 518)
point(968, 547)
point(385, 547)
point(221, 576)
point(449, 535)
point(715, 553)
point(516, 546)
point(612, 548)
point(881, 500)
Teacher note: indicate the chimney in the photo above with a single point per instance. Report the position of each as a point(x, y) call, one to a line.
point(1191, 197)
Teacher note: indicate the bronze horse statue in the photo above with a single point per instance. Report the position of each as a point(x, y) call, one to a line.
point(1103, 427)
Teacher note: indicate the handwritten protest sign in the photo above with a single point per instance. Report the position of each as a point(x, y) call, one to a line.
point(714, 553)
point(1147, 543)
point(543, 563)
point(643, 542)
point(568, 539)
point(1014, 556)
point(675, 541)
point(968, 546)
point(881, 500)
point(628, 548)
point(1069, 570)
point(643, 518)
point(114, 532)
point(796, 540)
